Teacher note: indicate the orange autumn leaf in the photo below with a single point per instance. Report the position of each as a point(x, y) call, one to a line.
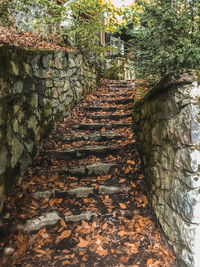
point(84, 258)
point(66, 262)
point(127, 170)
point(131, 162)
point(43, 233)
point(124, 259)
point(104, 226)
point(83, 243)
point(122, 181)
point(40, 251)
point(63, 223)
point(133, 184)
point(65, 234)
point(149, 262)
point(122, 205)
point(55, 201)
point(101, 252)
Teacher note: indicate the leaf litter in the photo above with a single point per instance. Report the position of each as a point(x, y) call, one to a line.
point(124, 232)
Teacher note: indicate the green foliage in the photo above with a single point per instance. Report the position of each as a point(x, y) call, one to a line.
point(88, 17)
point(4, 12)
point(168, 39)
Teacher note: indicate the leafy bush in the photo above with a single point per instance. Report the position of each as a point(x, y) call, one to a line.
point(168, 40)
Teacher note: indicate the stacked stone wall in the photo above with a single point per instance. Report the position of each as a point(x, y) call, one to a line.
point(37, 88)
point(167, 123)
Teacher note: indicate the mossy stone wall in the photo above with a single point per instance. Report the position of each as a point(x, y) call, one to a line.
point(37, 88)
point(167, 125)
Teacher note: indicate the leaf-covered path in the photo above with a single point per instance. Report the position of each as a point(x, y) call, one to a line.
point(84, 202)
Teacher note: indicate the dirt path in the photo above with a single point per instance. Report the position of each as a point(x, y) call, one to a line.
point(84, 202)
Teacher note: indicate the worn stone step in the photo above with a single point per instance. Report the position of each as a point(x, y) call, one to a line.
point(97, 126)
point(94, 169)
point(127, 94)
point(51, 219)
point(81, 152)
point(118, 100)
point(86, 216)
point(110, 116)
point(46, 219)
point(80, 192)
point(107, 109)
point(96, 136)
point(109, 190)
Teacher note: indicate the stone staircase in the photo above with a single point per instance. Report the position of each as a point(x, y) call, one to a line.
point(98, 130)
point(88, 179)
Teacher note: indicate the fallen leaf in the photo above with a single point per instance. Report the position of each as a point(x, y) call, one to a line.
point(43, 233)
point(124, 259)
point(149, 262)
point(66, 262)
point(131, 162)
point(101, 252)
point(65, 234)
point(40, 251)
point(55, 201)
point(83, 243)
point(122, 181)
point(63, 223)
point(123, 206)
point(104, 226)
point(84, 258)
point(133, 184)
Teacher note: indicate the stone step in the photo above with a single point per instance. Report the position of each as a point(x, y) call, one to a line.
point(110, 116)
point(51, 219)
point(107, 109)
point(81, 152)
point(98, 137)
point(94, 169)
point(87, 216)
point(97, 126)
point(126, 94)
point(123, 101)
point(81, 192)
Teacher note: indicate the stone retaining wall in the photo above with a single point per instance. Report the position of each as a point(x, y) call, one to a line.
point(37, 88)
point(167, 125)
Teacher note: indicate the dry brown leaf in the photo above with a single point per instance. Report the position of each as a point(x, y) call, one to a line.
point(66, 262)
point(122, 181)
point(40, 251)
point(63, 223)
point(101, 252)
point(104, 226)
point(131, 162)
point(122, 205)
point(133, 184)
point(83, 243)
point(84, 258)
point(43, 233)
point(55, 201)
point(124, 259)
point(65, 234)
point(149, 262)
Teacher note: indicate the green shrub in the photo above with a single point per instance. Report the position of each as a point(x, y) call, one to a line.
point(168, 40)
